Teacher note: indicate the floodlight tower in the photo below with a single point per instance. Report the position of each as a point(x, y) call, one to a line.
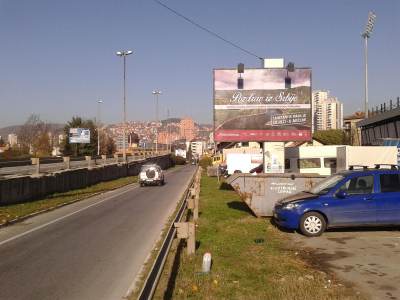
point(366, 35)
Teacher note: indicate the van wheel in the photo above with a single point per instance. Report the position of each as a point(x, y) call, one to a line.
point(312, 224)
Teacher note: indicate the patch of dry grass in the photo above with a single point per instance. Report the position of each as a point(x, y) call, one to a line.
point(251, 259)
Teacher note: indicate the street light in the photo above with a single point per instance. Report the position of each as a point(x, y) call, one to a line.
point(99, 102)
point(156, 93)
point(124, 54)
point(168, 133)
point(366, 35)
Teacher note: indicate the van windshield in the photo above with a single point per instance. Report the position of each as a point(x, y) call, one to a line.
point(323, 187)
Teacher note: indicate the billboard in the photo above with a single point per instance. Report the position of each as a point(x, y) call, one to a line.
point(79, 136)
point(271, 105)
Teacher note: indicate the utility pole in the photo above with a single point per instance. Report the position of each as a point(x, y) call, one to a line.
point(99, 102)
point(156, 93)
point(124, 54)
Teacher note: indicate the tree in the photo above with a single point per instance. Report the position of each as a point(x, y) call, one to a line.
point(134, 138)
point(107, 144)
point(110, 147)
point(33, 137)
point(331, 137)
point(42, 145)
point(80, 149)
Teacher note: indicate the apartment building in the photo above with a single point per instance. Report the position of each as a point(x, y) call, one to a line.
point(187, 129)
point(327, 111)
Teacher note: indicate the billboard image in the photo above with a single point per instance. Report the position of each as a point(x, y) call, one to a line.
point(272, 105)
point(79, 136)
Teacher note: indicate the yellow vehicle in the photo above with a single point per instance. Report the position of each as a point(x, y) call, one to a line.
point(216, 160)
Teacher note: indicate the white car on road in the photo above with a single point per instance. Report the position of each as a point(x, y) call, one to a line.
point(151, 174)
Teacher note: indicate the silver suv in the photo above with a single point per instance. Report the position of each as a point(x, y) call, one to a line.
point(151, 174)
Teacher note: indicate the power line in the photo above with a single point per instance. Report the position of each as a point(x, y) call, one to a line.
point(206, 29)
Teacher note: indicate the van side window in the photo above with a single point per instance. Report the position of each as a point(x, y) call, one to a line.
point(358, 185)
point(330, 162)
point(305, 163)
point(390, 183)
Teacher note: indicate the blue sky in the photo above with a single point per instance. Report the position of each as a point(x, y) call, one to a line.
point(57, 57)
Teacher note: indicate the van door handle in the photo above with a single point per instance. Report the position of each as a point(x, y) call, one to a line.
point(369, 198)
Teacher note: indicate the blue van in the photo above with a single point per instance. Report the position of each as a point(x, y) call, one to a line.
point(358, 197)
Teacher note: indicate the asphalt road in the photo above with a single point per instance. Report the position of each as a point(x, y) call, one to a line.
point(93, 249)
point(368, 258)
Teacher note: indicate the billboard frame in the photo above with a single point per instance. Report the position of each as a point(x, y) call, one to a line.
point(261, 68)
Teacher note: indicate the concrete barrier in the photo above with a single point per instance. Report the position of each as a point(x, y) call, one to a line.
point(27, 188)
point(261, 192)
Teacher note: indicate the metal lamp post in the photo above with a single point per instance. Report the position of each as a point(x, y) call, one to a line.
point(156, 93)
point(366, 35)
point(124, 54)
point(168, 133)
point(99, 102)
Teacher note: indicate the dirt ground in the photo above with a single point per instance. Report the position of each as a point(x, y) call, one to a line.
point(367, 258)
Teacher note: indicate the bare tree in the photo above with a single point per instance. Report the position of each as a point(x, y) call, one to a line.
point(33, 137)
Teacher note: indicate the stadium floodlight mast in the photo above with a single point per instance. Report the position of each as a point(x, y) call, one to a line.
point(124, 54)
point(366, 35)
point(156, 93)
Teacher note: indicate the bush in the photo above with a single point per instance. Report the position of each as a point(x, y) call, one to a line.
point(178, 160)
point(205, 162)
point(331, 137)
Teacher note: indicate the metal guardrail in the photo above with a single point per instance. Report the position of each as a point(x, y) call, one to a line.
point(153, 277)
point(5, 163)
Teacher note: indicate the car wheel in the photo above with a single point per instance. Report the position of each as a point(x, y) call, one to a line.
point(312, 224)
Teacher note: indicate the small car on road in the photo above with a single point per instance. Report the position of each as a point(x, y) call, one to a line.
point(357, 197)
point(151, 174)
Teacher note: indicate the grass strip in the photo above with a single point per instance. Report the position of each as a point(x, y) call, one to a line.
point(11, 212)
point(251, 258)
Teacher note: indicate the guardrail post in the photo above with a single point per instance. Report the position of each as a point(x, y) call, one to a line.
point(196, 208)
point(67, 162)
point(186, 230)
point(116, 158)
point(36, 161)
point(89, 161)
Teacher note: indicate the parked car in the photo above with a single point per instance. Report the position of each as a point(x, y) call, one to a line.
point(257, 170)
point(364, 197)
point(151, 174)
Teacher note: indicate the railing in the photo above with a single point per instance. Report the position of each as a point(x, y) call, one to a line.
point(153, 277)
point(384, 107)
point(53, 164)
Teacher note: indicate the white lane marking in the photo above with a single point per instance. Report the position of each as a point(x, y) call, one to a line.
point(64, 217)
point(135, 185)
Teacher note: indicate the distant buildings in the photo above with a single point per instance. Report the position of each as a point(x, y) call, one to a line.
point(197, 148)
point(327, 111)
point(12, 139)
point(352, 131)
point(187, 129)
point(171, 131)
